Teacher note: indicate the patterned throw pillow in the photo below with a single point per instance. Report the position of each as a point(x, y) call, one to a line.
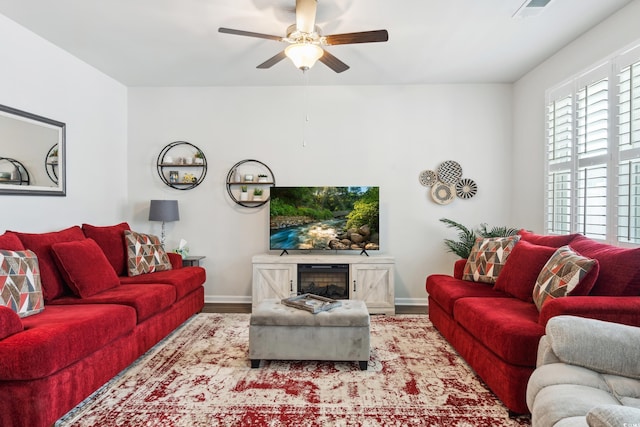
point(566, 273)
point(144, 254)
point(487, 258)
point(20, 287)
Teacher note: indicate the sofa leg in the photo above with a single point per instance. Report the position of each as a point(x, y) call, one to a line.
point(515, 415)
point(363, 364)
point(255, 363)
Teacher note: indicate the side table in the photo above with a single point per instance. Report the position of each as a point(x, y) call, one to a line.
point(192, 261)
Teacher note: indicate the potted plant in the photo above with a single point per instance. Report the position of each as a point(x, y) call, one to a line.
point(257, 194)
point(198, 158)
point(467, 237)
point(262, 178)
point(244, 195)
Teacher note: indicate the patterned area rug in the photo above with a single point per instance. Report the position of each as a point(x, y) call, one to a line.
point(201, 376)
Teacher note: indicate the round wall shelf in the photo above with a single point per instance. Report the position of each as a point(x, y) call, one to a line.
point(13, 172)
point(254, 177)
point(181, 165)
point(51, 163)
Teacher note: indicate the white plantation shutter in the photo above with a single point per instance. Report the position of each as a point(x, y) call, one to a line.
point(559, 155)
point(593, 152)
point(592, 127)
point(628, 119)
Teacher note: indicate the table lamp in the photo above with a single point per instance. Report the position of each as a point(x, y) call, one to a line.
point(165, 211)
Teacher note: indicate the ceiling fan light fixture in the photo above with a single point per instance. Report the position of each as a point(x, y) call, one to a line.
point(304, 55)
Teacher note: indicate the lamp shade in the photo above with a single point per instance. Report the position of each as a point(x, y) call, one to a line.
point(164, 210)
point(304, 55)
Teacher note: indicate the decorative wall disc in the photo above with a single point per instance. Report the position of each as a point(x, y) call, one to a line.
point(449, 172)
point(466, 188)
point(428, 178)
point(442, 193)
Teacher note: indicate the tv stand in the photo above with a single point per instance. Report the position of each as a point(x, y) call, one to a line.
point(364, 251)
point(371, 278)
point(284, 251)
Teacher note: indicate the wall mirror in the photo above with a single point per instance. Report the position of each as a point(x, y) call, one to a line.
point(32, 154)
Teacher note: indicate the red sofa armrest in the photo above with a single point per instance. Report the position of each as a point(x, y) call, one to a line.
point(175, 259)
point(618, 309)
point(458, 268)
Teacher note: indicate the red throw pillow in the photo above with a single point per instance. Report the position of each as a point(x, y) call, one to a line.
point(53, 285)
point(110, 238)
point(519, 274)
point(84, 267)
point(619, 267)
point(554, 241)
point(10, 322)
point(9, 241)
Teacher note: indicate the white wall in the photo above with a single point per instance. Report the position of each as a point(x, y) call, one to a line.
point(527, 192)
point(40, 78)
point(359, 135)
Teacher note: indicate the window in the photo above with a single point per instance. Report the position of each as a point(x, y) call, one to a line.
point(593, 152)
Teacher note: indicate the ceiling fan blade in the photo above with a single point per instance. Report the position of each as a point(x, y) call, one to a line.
point(272, 61)
point(306, 15)
point(332, 62)
point(361, 37)
point(249, 34)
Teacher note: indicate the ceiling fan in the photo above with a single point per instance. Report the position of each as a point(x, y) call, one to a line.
point(306, 42)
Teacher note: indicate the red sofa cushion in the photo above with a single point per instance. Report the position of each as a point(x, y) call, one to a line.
point(110, 238)
point(10, 322)
point(507, 326)
point(147, 300)
point(518, 277)
point(10, 241)
point(184, 279)
point(552, 240)
point(53, 285)
point(61, 336)
point(619, 267)
point(446, 290)
point(84, 267)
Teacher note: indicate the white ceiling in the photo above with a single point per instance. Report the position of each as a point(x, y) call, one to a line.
point(176, 42)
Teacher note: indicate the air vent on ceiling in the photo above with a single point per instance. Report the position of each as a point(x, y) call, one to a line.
point(531, 8)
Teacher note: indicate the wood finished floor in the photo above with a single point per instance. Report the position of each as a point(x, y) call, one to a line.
point(246, 308)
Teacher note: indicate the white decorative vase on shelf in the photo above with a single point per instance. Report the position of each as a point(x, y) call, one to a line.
point(244, 196)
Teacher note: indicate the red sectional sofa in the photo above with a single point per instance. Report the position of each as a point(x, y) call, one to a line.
point(496, 327)
point(96, 319)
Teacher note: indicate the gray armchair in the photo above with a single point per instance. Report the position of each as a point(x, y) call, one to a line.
point(588, 374)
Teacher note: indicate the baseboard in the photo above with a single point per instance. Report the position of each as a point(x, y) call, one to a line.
point(412, 301)
point(226, 299)
point(243, 305)
point(234, 299)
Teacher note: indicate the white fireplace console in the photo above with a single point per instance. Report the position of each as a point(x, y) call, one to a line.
point(370, 278)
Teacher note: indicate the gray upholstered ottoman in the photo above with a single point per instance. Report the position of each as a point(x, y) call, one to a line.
point(279, 332)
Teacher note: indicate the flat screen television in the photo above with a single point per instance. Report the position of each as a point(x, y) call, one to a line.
point(324, 218)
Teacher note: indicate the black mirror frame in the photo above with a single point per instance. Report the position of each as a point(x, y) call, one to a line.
point(61, 189)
